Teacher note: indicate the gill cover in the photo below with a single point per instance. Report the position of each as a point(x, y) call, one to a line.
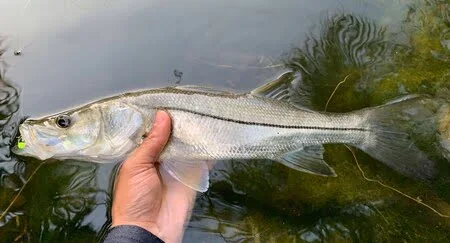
point(44, 138)
point(104, 132)
point(122, 130)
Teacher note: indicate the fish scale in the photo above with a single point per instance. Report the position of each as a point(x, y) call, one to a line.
point(243, 126)
point(210, 125)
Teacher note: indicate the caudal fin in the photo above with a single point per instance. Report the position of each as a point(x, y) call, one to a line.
point(397, 127)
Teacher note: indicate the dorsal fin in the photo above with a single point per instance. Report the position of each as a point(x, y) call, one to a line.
point(277, 89)
point(206, 89)
point(287, 88)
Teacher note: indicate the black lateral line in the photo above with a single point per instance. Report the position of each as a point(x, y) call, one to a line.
point(266, 124)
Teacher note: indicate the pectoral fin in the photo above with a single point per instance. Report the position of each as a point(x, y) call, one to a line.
point(194, 174)
point(309, 159)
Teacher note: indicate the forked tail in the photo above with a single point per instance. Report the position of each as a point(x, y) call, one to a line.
point(397, 127)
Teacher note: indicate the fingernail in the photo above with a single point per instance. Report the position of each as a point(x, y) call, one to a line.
point(159, 117)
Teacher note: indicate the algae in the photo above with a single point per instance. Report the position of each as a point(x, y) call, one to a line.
point(263, 201)
point(380, 64)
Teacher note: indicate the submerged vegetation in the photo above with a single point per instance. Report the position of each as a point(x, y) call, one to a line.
point(349, 57)
point(377, 64)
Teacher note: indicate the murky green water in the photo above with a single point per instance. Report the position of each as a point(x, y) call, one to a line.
point(382, 49)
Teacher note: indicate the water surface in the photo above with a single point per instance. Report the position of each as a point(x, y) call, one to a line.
point(77, 51)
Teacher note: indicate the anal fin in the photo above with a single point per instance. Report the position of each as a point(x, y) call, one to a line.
point(194, 174)
point(309, 159)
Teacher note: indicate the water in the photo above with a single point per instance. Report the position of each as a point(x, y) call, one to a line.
point(76, 51)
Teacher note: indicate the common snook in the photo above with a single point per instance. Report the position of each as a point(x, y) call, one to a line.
point(216, 125)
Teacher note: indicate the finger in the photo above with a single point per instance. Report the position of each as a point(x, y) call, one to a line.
point(153, 145)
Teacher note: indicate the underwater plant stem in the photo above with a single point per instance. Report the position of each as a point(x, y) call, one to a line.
point(334, 91)
point(24, 232)
point(377, 181)
point(20, 191)
point(387, 222)
point(393, 189)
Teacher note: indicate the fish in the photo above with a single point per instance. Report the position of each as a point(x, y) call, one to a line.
point(210, 125)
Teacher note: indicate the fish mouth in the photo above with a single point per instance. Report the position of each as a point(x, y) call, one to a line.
point(23, 145)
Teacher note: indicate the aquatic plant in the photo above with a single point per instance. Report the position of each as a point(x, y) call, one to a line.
point(348, 46)
point(62, 196)
point(379, 65)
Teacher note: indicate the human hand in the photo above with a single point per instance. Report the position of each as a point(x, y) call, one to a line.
point(147, 198)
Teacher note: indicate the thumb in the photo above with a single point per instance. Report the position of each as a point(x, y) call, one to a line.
point(153, 145)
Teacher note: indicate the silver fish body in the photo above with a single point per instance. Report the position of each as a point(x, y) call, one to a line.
point(219, 126)
point(211, 125)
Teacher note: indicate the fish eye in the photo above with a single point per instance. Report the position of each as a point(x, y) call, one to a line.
point(63, 121)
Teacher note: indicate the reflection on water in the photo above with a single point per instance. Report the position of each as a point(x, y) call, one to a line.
point(346, 45)
point(55, 204)
point(9, 119)
point(262, 201)
point(238, 218)
point(380, 65)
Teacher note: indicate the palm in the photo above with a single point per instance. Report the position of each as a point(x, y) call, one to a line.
point(147, 198)
point(176, 204)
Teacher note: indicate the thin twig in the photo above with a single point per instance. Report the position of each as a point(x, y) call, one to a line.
point(419, 201)
point(24, 232)
point(393, 189)
point(20, 191)
point(334, 91)
point(387, 222)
